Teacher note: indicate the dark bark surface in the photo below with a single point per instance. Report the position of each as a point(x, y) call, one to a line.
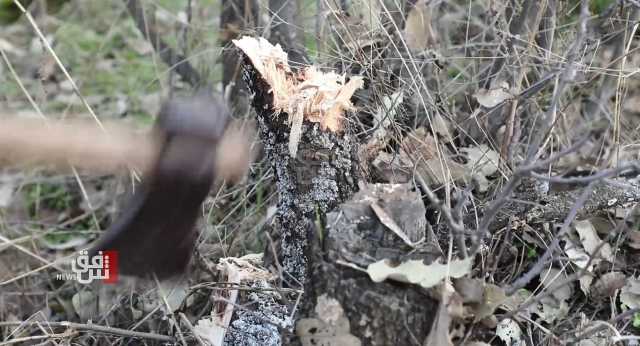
point(237, 16)
point(316, 180)
point(386, 313)
point(317, 233)
point(534, 202)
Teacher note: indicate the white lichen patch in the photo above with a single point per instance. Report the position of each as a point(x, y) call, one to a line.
point(309, 94)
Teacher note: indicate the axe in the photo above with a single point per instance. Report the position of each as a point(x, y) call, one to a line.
point(190, 147)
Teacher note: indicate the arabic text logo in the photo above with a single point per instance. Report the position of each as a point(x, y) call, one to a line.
point(103, 266)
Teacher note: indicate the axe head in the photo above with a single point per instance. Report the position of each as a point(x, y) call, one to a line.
point(156, 232)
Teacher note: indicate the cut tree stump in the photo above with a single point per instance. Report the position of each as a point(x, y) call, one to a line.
point(323, 242)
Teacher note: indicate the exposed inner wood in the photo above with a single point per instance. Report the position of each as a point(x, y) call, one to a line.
point(320, 97)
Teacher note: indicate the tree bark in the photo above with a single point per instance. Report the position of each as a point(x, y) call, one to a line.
point(321, 175)
point(322, 240)
point(237, 16)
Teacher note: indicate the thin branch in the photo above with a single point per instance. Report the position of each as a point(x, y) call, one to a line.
point(566, 226)
point(94, 328)
point(535, 146)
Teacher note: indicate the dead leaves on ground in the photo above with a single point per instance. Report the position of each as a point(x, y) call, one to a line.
point(420, 153)
point(465, 299)
point(492, 97)
point(328, 327)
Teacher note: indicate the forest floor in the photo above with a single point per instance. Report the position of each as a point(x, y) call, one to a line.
point(539, 158)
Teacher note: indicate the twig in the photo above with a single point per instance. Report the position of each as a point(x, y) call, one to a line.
point(556, 285)
point(591, 331)
point(538, 138)
point(566, 226)
point(95, 328)
point(186, 321)
point(540, 263)
point(455, 224)
point(510, 131)
point(606, 173)
point(31, 339)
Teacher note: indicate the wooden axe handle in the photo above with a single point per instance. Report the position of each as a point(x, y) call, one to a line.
point(81, 144)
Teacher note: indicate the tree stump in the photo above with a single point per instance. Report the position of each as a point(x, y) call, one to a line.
point(323, 241)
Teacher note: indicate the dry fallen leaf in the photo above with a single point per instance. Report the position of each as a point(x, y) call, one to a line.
point(419, 144)
point(633, 238)
point(330, 328)
point(211, 331)
point(328, 309)
point(580, 258)
point(493, 296)
point(388, 221)
point(490, 98)
point(439, 334)
point(607, 285)
point(630, 294)
point(386, 114)
point(515, 301)
point(172, 293)
point(591, 241)
point(579, 254)
point(442, 127)
point(84, 303)
point(555, 306)
point(6, 193)
point(418, 32)
point(482, 162)
point(416, 272)
point(439, 172)
point(471, 290)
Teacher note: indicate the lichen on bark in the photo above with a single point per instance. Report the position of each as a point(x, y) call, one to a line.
point(316, 180)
